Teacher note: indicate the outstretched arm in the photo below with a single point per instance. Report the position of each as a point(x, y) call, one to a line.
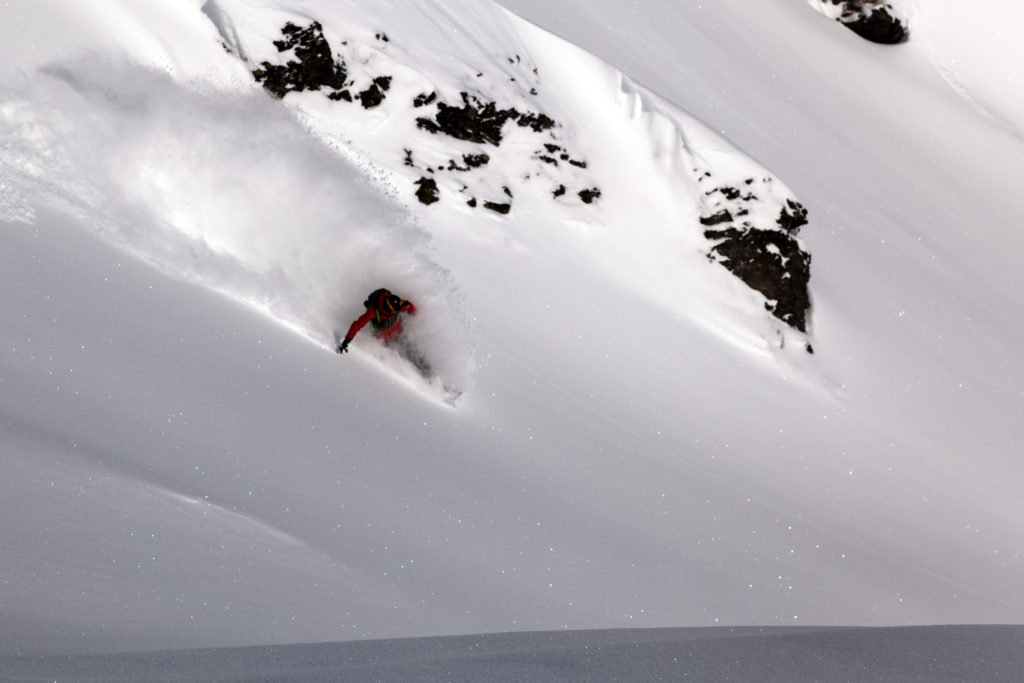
point(358, 324)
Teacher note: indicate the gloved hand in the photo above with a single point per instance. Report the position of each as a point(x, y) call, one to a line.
point(343, 346)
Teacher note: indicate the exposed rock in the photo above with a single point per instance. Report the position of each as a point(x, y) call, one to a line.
point(312, 65)
point(501, 208)
point(771, 262)
point(478, 121)
point(722, 216)
point(423, 99)
point(879, 27)
point(792, 217)
point(473, 121)
point(874, 20)
point(535, 122)
point(315, 67)
point(550, 152)
point(374, 95)
point(768, 258)
point(469, 162)
point(427, 192)
point(476, 160)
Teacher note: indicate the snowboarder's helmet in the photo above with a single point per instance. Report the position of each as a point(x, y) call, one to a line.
point(391, 304)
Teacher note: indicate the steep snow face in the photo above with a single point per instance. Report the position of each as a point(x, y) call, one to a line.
point(640, 442)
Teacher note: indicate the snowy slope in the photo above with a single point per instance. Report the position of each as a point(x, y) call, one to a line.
point(640, 443)
point(752, 654)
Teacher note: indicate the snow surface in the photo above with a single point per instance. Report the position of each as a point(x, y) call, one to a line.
point(639, 443)
point(783, 653)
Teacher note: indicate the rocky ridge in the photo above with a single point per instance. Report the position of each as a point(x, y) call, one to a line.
point(768, 258)
point(309, 63)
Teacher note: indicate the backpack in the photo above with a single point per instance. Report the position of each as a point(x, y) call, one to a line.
point(382, 320)
point(374, 299)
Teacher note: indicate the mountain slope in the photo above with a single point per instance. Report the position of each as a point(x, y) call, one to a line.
point(640, 442)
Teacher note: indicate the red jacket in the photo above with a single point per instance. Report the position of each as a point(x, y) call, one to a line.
point(386, 326)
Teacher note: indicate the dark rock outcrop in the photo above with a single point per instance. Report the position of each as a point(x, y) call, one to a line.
point(476, 160)
point(313, 68)
point(771, 262)
point(478, 121)
point(482, 122)
point(312, 64)
point(424, 99)
point(770, 259)
point(792, 217)
point(872, 20)
point(427, 192)
point(473, 121)
point(499, 207)
point(374, 95)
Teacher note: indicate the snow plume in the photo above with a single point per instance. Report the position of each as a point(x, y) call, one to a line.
point(14, 207)
point(228, 189)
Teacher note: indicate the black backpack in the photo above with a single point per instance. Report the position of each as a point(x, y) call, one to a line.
point(373, 301)
point(382, 320)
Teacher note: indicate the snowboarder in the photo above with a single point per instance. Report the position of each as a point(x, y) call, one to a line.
point(383, 312)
